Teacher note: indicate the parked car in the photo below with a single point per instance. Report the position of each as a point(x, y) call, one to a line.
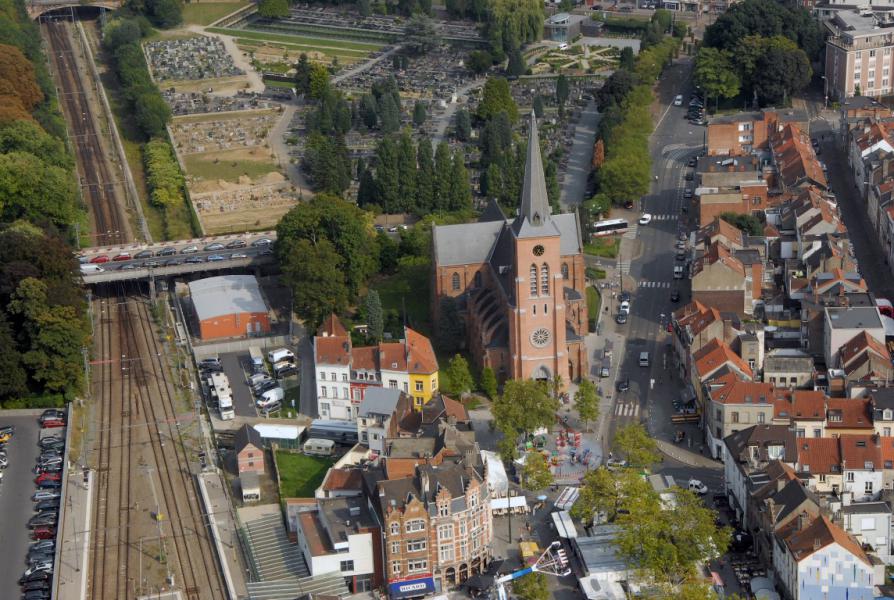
point(236, 255)
point(121, 257)
point(51, 441)
point(236, 244)
point(174, 262)
point(614, 464)
point(30, 586)
point(52, 413)
point(143, 254)
point(194, 260)
point(262, 242)
point(698, 487)
point(214, 246)
point(44, 566)
point(189, 249)
point(52, 423)
point(624, 297)
point(216, 258)
point(675, 296)
point(621, 318)
point(10, 429)
point(41, 495)
point(623, 384)
point(37, 595)
point(167, 251)
point(46, 505)
point(49, 468)
point(43, 519)
point(99, 259)
point(47, 477)
point(36, 576)
point(678, 100)
point(51, 484)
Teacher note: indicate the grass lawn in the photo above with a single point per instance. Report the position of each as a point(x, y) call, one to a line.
point(594, 302)
point(205, 167)
point(606, 247)
point(408, 287)
point(278, 84)
point(205, 13)
point(299, 474)
point(300, 40)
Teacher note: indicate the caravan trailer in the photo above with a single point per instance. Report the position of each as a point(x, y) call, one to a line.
point(318, 447)
point(219, 385)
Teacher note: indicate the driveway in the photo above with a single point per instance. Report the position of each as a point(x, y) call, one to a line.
point(232, 364)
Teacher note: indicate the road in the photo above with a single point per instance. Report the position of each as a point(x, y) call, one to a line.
point(580, 157)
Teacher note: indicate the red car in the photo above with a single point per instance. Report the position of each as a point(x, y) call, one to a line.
point(50, 423)
point(47, 477)
point(122, 256)
point(43, 532)
point(102, 258)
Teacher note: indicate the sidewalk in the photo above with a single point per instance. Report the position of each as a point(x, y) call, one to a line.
point(685, 456)
point(223, 532)
point(73, 539)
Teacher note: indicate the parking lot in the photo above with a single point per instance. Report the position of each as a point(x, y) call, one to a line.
point(15, 499)
point(237, 366)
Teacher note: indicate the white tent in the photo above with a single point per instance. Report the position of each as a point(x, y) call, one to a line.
point(497, 480)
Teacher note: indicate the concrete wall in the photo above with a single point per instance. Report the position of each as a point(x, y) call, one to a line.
point(202, 350)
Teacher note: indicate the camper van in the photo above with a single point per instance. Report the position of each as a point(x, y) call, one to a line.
point(318, 447)
point(219, 385)
point(284, 369)
point(275, 356)
point(91, 269)
point(270, 397)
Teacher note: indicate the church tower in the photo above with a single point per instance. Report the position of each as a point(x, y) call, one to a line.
point(537, 340)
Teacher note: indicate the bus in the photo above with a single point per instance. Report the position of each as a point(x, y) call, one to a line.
point(609, 227)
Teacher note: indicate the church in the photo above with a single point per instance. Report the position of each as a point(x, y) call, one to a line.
point(519, 283)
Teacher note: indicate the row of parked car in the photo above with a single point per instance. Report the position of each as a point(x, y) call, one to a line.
point(37, 579)
point(172, 251)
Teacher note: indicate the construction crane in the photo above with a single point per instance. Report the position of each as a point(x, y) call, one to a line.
point(553, 561)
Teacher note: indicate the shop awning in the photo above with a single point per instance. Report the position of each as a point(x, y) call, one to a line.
point(412, 588)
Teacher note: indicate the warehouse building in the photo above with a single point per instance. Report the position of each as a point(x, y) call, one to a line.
point(229, 306)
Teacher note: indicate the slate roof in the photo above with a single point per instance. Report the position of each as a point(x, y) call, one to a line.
point(246, 435)
point(764, 437)
point(379, 401)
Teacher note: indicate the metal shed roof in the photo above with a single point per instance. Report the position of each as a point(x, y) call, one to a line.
point(279, 432)
point(225, 295)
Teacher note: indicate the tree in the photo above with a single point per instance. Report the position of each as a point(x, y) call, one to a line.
point(531, 587)
point(765, 18)
point(750, 224)
point(489, 382)
point(18, 81)
point(302, 74)
point(443, 169)
point(715, 74)
point(460, 191)
point(389, 114)
point(164, 13)
point(479, 61)
point(319, 80)
point(516, 66)
point(421, 36)
point(28, 136)
point(562, 90)
point(151, 113)
point(419, 113)
point(586, 401)
point(496, 98)
point(375, 318)
point(273, 9)
point(388, 252)
point(459, 376)
point(524, 407)
point(388, 175)
point(406, 169)
point(535, 472)
point(369, 108)
point(364, 7)
point(662, 18)
point(425, 180)
point(780, 74)
point(310, 270)
point(13, 378)
point(328, 163)
point(451, 333)
point(538, 106)
point(46, 195)
point(463, 125)
point(366, 190)
point(635, 444)
point(605, 494)
point(627, 59)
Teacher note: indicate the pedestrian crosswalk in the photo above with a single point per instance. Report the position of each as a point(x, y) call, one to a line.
point(624, 266)
point(630, 234)
point(654, 284)
point(664, 217)
point(626, 410)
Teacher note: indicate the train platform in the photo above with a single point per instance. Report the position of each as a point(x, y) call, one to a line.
point(73, 539)
point(221, 521)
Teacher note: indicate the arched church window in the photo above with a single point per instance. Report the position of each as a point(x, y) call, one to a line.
point(564, 270)
point(533, 280)
point(544, 280)
point(456, 282)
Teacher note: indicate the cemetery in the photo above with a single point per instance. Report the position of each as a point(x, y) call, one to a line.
point(190, 59)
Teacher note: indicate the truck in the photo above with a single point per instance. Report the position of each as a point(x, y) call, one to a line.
point(257, 359)
point(219, 385)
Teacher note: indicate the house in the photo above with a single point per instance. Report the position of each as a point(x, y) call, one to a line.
point(712, 361)
point(437, 528)
point(842, 324)
point(881, 403)
point(729, 280)
point(813, 318)
point(344, 373)
point(787, 367)
point(795, 160)
point(803, 410)
point(694, 326)
point(848, 416)
point(749, 451)
point(861, 466)
point(519, 283)
point(857, 49)
point(249, 450)
point(870, 524)
point(380, 413)
point(748, 197)
point(735, 404)
point(863, 141)
point(819, 462)
point(865, 361)
point(341, 535)
point(446, 444)
point(816, 559)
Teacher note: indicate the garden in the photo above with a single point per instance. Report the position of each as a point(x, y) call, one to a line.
point(300, 475)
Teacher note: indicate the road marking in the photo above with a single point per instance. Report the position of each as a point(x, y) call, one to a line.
point(627, 410)
point(654, 284)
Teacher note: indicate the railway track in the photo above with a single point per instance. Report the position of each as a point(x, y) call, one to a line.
point(99, 189)
point(149, 532)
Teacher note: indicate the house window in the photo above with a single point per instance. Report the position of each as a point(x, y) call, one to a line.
point(886, 431)
point(392, 383)
point(323, 391)
point(395, 529)
point(455, 282)
point(887, 415)
point(395, 568)
point(473, 502)
point(434, 385)
point(719, 416)
point(395, 546)
point(544, 280)
point(322, 375)
point(324, 408)
point(418, 386)
point(415, 525)
point(346, 565)
point(533, 280)
point(800, 433)
point(760, 417)
point(251, 454)
point(417, 565)
point(463, 548)
point(344, 376)
point(867, 488)
point(446, 553)
point(251, 463)
point(817, 433)
point(344, 393)
point(564, 270)
point(406, 387)
point(735, 417)
point(443, 510)
point(850, 476)
point(871, 53)
point(445, 532)
point(416, 545)
point(822, 478)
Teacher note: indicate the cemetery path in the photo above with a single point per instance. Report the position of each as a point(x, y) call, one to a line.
point(348, 73)
point(442, 119)
point(279, 147)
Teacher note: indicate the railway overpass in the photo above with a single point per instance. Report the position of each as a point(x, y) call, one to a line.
point(161, 271)
point(35, 8)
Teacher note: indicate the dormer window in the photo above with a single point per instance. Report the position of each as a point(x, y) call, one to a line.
point(887, 414)
point(868, 465)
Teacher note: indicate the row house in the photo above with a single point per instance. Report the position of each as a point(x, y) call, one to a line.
point(813, 317)
point(748, 197)
point(788, 368)
point(734, 404)
point(713, 361)
point(866, 363)
point(847, 464)
point(810, 215)
point(742, 134)
point(731, 280)
point(380, 415)
point(844, 323)
point(795, 162)
point(344, 373)
point(858, 56)
point(694, 326)
point(868, 143)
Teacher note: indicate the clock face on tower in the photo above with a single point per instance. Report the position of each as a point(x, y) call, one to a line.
point(540, 337)
point(538, 250)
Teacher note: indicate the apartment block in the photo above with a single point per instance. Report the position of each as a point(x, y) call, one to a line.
point(858, 56)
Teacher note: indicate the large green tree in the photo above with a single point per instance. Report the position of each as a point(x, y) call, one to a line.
point(425, 181)
point(310, 269)
point(497, 98)
point(524, 407)
point(37, 191)
point(715, 75)
point(766, 18)
point(421, 36)
point(273, 9)
point(375, 317)
point(531, 587)
point(586, 401)
point(459, 377)
point(535, 474)
point(636, 445)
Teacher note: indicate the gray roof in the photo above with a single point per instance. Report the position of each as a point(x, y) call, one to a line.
point(249, 481)
point(865, 508)
point(851, 317)
point(225, 295)
point(247, 435)
point(379, 401)
point(599, 553)
point(788, 360)
point(534, 209)
point(465, 244)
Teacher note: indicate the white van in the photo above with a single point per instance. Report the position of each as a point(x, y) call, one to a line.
point(678, 272)
point(275, 356)
point(644, 359)
point(563, 46)
point(269, 397)
point(318, 447)
point(90, 269)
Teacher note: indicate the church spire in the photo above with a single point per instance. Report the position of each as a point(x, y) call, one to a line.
point(534, 201)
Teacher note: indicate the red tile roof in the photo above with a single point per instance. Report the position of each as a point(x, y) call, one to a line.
point(821, 533)
point(860, 452)
point(696, 317)
point(860, 343)
point(333, 350)
point(392, 356)
point(822, 456)
point(314, 533)
point(853, 413)
point(737, 391)
point(714, 355)
point(720, 227)
point(332, 326)
point(422, 357)
point(808, 404)
point(795, 157)
point(364, 358)
point(717, 252)
point(343, 479)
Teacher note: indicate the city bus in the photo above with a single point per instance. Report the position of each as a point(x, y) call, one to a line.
point(609, 227)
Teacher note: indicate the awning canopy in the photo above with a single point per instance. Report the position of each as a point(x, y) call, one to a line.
point(504, 503)
point(412, 588)
point(564, 526)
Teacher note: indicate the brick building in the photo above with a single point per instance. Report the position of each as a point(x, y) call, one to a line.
point(249, 449)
